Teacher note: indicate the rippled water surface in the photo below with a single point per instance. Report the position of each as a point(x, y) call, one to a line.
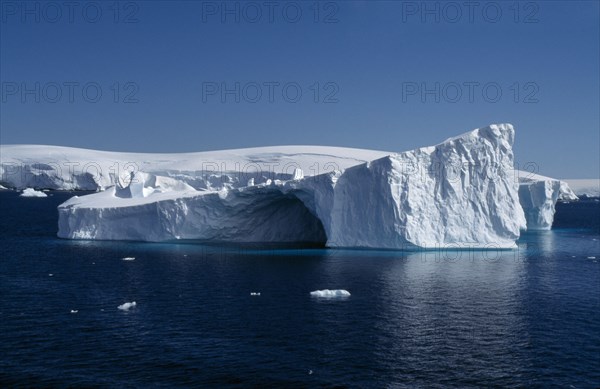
point(528, 317)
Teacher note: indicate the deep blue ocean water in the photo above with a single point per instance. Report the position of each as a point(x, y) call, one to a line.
point(528, 317)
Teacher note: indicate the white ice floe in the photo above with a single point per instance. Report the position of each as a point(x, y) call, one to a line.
point(30, 192)
point(327, 293)
point(128, 259)
point(127, 306)
point(74, 311)
point(591, 257)
point(255, 294)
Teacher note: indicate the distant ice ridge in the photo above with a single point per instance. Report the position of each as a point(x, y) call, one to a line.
point(30, 192)
point(585, 187)
point(327, 293)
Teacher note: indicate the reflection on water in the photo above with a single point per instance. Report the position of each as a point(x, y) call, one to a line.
point(458, 317)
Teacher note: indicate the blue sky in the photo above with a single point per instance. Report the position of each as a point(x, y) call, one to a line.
point(175, 76)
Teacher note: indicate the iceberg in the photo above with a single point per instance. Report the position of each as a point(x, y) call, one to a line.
point(30, 192)
point(127, 306)
point(458, 193)
point(462, 192)
point(326, 293)
point(538, 196)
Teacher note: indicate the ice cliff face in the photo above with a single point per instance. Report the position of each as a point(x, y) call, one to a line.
point(257, 214)
point(460, 193)
point(538, 196)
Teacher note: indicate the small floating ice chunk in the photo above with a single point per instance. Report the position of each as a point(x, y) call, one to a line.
point(30, 192)
point(127, 306)
point(591, 257)
point(129, 259)
point(74, 311)
point(50, 274)
point(254, 293)
point(330, 293)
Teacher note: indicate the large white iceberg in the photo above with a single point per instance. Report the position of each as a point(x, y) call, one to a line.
point(462, 192)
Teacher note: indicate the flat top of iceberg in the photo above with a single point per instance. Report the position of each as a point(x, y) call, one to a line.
point(127, 306)
point(107, 199)
point(303, 157)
